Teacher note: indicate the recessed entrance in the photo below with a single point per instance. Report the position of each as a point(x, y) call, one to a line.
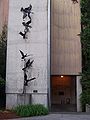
point(63, 93)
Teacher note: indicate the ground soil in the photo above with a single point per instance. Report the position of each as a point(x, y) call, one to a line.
point(7, 115)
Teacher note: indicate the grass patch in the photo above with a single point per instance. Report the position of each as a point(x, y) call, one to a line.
point(31, 110)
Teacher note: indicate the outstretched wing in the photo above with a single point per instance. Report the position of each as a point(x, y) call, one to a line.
point(28, 22)
point(21, 33)
point(31, 63)
point(31, 79)
point(21, 53)
point(26, 82)
point(24, 23)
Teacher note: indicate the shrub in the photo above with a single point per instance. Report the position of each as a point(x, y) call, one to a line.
point(85, 97)
point(3, 48)
point(31, 110)
point(85, 42)
point(2, 81)
point(2, 92)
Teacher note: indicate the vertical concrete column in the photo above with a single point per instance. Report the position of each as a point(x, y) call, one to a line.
point(78, 91)
point(35, 45)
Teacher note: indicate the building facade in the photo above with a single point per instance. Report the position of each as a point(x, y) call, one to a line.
point(65, 52)
point(53, 44)
point(3, 13)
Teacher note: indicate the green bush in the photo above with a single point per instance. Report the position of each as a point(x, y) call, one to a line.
point(85, 97)
point(2, 81)
point(3, 48)
point(85, 42)
point(31, 110)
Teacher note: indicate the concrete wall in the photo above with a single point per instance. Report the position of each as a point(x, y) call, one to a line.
point(79, 91)
point(65, 48)
point(36, 45)
point(65, 42)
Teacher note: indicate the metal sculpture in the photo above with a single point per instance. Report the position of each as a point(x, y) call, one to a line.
point(27, 26)
point(23, 34)
point(26, 81)
point(75, 1)
point(23, 55)
point(26, 13)
point(27, 62)
point(27, 65)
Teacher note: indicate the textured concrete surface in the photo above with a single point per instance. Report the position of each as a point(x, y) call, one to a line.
point(65, 44)
point(75, 116)
point(35, 45)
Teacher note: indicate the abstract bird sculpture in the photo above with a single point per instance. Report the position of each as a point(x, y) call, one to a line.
point(27, 26)
point(25, 76)
point(75, 1)
point(26, 11)
point(26, 81)
point(28, 64)
point(23, 34)
point(23, 55)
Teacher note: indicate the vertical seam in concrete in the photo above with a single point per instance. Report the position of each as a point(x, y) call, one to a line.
point(48, 53)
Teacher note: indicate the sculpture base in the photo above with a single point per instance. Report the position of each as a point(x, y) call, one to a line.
point(13, 100)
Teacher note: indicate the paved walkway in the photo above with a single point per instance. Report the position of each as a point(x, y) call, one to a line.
point(75, 116)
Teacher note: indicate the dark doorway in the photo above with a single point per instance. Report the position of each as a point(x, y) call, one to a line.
point(63, 93)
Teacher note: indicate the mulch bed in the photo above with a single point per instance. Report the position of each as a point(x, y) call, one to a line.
point(8, 115)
